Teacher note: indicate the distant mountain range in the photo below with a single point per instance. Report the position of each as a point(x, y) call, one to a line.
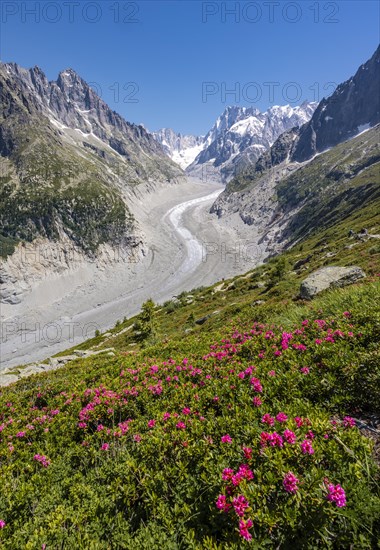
point(317, 174)
point(239, 136)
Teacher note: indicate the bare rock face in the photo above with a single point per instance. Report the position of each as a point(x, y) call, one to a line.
point(33, 263)
point(353, 107)
point(329, 277)
point(70, 168)
point(242, 134)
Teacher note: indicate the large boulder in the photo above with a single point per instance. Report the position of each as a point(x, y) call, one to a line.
point(328, 277)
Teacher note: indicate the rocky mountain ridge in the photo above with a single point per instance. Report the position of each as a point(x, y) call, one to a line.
point(238, 137)
point(69, 168)
point(290, 200)
point(70, 103)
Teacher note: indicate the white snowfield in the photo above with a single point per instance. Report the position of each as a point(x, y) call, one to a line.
point(186, 247)
point(186, 156)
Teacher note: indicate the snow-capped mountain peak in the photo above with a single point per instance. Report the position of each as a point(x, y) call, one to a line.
point(239, 136)
point(242, 134)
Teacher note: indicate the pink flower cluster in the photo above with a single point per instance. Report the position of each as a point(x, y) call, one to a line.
point(349, 422)
point(267, 419)
point(247, 453)
point(256, 384)
point(307, 447)
point(290, 437)
point(290, 483)
point(240, 504)
point(244, 525)
point(273, 439)
point(336, 494)
point(43, 460)
point(222, 504)
point(244, 472)
point(286, 337)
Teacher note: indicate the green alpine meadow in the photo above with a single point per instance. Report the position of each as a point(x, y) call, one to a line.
point(251, 429)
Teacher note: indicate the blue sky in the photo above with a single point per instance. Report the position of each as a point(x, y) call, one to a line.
point(180, 63)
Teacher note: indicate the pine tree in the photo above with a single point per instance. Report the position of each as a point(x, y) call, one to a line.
point(146, 323)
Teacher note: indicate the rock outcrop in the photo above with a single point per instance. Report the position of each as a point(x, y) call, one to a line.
point(329, 277)
point(12, 375)
point(352, 108)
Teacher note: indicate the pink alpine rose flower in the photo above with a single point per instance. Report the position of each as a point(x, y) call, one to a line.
point(307, 447)
point(240, 504)
point(290, 437)
point(349, 422)
point(222, 504)
point(256, 384)
point(243, 528)
point(336, 494)
point(247, 452)
point(290, 482)
point(227, 474)
point(267, 419)
point(281, 417)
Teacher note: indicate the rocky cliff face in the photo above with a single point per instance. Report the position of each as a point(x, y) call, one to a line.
point(70, 102)
point(353, 107)
point(68, 168)
point(241, 135)
point(284, 200)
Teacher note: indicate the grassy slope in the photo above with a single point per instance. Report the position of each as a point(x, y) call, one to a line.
point(327, 189)
point(47, 186)
point(161, 491)
point(331, 186)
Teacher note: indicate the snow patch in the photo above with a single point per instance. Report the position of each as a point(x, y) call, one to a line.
point(185, 157)
point(363, 128)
